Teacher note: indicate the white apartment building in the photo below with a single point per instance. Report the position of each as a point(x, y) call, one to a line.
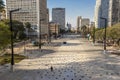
point(109, 9)
point(32, 11)
point(97, 13)
point(58, 16)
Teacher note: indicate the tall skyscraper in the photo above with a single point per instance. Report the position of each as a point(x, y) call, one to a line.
point(79, 19)
point(97, 13)
point(58, 16)
point(114, 15)
point(109, 9)
point(32, 11)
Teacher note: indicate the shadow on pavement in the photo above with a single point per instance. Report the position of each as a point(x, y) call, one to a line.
point(95, 69)
point(71, 44)
point(80, 51)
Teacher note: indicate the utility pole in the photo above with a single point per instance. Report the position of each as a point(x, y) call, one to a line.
point(105, 33)
point(12, 42)
point(55, 31)
point(94, 34)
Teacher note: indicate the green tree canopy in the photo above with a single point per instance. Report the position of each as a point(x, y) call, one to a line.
point(4, 35)
point(28, 25)
point(18, 27)
point(113, 33)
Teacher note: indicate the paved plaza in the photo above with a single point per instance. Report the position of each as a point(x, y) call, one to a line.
point(77, 60)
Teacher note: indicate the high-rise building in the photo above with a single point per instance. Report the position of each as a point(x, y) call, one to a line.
point(97, 13)
point(54, 28)
point(82, 22)
point(85, 22)
point(32, 11)
point(58, 16)
point(114, 14)
point(69, 26)
point(92, 24)
point(79, 19)
point(109, 9)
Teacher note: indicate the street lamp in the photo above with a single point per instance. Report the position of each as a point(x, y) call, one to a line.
point(94, 34)
point(11, 28)
point(105, 33)
point(40, 37)
point(55, 31)
point(49, 29)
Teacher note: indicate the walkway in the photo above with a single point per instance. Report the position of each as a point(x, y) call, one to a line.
point(76, 60)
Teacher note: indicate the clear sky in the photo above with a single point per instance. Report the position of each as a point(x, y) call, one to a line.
point(74, 8)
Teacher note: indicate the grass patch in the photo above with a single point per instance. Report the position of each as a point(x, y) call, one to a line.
point(7, 58)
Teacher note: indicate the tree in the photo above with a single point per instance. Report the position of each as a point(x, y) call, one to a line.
point(4, 35)
point(1, 5)
point(18, 27)
point(113, 34)
point(84, 30)
point(28, 27)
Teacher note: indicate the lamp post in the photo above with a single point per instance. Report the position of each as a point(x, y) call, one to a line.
point(105, 33)
point(11, 28)
point(55, 31)
point(40, 37)
point(94, 35)
point(49, 29)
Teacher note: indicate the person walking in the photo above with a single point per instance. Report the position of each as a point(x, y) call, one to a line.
point(51, 68)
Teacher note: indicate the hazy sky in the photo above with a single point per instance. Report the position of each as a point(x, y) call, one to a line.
point(74, 8)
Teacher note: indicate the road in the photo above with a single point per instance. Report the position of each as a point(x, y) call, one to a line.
point(77, 60)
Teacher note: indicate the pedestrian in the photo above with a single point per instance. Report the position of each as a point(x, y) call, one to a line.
point(51, 68)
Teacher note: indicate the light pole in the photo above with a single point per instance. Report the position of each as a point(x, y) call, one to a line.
point(105, 33)
point(55, 31)
point(40, 37)
point(11, 28)
point(49, 29)
point(94, 34)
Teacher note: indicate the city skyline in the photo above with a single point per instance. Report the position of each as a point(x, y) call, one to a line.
point(84, 8)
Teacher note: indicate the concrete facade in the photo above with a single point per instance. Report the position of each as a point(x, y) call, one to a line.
point(85, 22)
point(69, 26)
point(31, 11)
point(82, 22)
point(115, 12)
point(54, 28)
point(79, 19)
point(58, 16)
point(97, 13)
point(92, 24)
point(109, 9)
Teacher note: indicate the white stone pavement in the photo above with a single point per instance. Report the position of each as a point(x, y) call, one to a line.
point(76, 60)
